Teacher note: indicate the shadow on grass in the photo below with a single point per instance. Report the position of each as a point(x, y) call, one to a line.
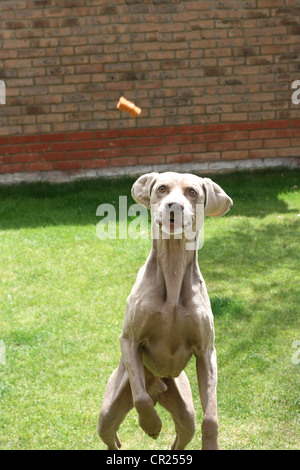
point(43, 204)
point(228, 306)
point(261, 260)
point(255, 194)
point(252, 250)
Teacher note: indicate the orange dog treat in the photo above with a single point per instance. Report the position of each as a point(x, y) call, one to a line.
point(128, 107)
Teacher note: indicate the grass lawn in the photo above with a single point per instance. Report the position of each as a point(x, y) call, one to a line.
point(62, 299)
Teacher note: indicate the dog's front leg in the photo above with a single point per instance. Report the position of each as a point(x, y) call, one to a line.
point(132, 357)
point(206, 365)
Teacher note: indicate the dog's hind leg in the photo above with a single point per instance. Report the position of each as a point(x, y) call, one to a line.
point(179, 402)
point(117, 403)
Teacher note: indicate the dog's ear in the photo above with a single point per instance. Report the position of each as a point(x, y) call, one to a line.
point(141, 190)
point(217, 202)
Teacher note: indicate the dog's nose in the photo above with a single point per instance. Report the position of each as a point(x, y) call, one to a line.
point(175, 206)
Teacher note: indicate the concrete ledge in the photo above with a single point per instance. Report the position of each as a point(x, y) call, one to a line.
point(201, 168)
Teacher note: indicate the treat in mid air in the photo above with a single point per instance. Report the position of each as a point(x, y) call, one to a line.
point(128, 107)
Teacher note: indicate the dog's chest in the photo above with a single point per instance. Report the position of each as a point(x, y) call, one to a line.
point(154, 318)
point(165, 342)
point(167, 327)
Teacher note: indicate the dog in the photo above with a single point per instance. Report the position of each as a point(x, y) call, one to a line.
point(168, 318)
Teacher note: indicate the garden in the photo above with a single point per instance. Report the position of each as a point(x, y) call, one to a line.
point(62, 299)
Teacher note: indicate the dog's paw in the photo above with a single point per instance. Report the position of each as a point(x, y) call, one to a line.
point(150, 422)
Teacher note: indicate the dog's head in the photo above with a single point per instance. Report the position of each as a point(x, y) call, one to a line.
point(174, 198)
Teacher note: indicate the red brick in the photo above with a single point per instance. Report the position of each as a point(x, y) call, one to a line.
point(179, 158)
point(190, 148)
point(164, 131)
point(23, 139)
point(12, 168)
point(247, 126)
point(288, 132)
point(288, 152)
point(277, 143)
point(294, 142)
point(191, 129)
point(108, 134)
point(11, 149)
point(136, 132)
point(25, 158)
point(275, 124)
point(96, 163)
point(262, 153)
point(235, 155)
point(65, 146)
point(220, 127)
point(207, 137)
point(237, 135)
point(165, 149)
point(221, 146)
point(37, 148)
point(69, 165)
point(138, 151)
point(5, 160)
point(150, 141)
point(121, 143)
point(151, 160)
point(179, 139)
point(65, 78)
point(207, 156)
point(110, 153)
point(123, 161)
point(39, 166)
point(53, 156)
point(264, 134)
point(82, 155)
point(52, 137)
point(94, 144)
point(249, 144)
point(80, 136)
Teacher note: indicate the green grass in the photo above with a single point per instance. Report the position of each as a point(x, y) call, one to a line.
point(63, 293)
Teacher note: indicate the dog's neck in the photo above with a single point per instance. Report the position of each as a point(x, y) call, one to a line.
point(176, 264)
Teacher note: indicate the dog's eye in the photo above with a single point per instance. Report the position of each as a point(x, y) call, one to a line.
point(193, 193)
point(162, 189)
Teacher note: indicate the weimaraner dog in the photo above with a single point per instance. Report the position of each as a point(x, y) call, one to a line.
point(168, 318)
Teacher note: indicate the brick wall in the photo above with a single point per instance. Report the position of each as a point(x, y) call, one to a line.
point(213, 79)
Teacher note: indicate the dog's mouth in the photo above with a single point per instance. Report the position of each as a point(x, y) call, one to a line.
point(173, 222)
point(172, 218)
